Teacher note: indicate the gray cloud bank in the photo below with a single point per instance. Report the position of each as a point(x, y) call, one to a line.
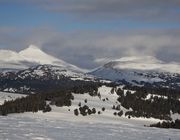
point(83, 48)
point(146, 10)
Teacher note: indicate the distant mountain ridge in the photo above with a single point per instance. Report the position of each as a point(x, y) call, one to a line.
point(41, 78)
point(140, 71)
point(143, 63)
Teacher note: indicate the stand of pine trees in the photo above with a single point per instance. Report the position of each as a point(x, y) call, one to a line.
point(59, 97)
point(175, 124)
point(156, 107)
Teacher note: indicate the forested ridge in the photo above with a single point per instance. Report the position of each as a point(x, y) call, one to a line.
point(140, 101)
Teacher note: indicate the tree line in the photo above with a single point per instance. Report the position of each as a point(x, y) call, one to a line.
point(38, 102)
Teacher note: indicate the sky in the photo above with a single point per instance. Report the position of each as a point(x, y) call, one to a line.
point(83, 32)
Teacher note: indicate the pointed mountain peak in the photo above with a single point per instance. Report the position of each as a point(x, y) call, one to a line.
point(33, 47)
point(35, 54)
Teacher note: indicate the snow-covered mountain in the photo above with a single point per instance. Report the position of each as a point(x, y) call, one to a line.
point(39, 78)
point(31, 56)
point(140, 70)
point(46, 72)
point(33, 70)
point(144, 63)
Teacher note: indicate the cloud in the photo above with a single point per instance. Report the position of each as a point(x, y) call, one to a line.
point(144, 10)
point(89, 49)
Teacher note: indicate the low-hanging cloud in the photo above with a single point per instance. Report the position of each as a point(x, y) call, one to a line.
point(84, 48)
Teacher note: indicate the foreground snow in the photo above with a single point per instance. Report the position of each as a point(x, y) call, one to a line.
point(62, 124)
point(30, 126)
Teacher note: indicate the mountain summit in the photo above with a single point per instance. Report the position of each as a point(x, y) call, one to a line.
point(31, 56)
point(143, 63)
point(139, 70)
point(35, 54)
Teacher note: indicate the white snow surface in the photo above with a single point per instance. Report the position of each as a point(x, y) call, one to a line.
point(61, 124)
point(33, 127)
point(31, 56)
point(154, 95)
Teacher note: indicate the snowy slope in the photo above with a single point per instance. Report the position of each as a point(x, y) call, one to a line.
point(52, 72)
point(4, 96)
point(11, 60)
point(34, 54)
point(63, 124)
point(106, 100)
point(31, 56)
point(140, 69)
point(34, 127)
